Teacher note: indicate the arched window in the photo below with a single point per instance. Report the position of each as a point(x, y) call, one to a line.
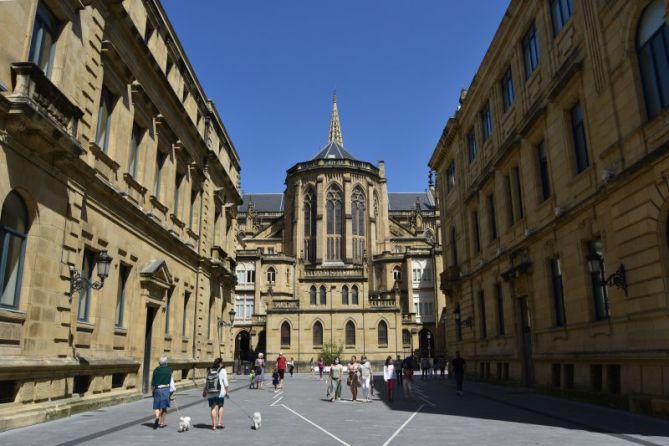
point(358, 218)
point(354, 295)
point(383, 333)
point(397, 274)
point(271, 275)
point(653, 52)
point(285, 334)
point(318, 334)
point(350, 333)
point(13, 233)
point(310, 225)
point(312, 295)
point(323, 295)
point(406, 338)
point(334, 216)
point(344, 295)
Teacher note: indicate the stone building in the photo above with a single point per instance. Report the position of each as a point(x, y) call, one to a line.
point(338, 259)
point(554, 203)
point(108, 144)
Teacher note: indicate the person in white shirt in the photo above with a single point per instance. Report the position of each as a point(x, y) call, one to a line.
point(215, 390)
point(366, 377)
point(389, 377)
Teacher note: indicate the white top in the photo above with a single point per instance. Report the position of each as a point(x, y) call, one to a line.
point(388, 372)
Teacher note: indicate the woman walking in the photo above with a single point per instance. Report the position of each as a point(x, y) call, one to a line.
point(260, 370)
point(215, 390)
point(389, 377)
point(365, 377)
point(407, 382)
point(321, 367)
point(334, 389)
point(353, 377)
point(162, 385)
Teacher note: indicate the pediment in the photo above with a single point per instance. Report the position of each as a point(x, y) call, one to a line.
point(157, 273)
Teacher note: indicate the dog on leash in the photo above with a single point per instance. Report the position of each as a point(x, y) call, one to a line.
point(184, 424)
point(257, 420)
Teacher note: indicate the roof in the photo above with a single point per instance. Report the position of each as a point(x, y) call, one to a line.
point(333, 151)
point(406, 201)
point(262, 202)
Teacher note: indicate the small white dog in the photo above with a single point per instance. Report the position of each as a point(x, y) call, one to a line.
point(184, 424)
point(257, 420)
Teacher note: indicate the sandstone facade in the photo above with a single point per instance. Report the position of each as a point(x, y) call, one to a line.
point(107, 143)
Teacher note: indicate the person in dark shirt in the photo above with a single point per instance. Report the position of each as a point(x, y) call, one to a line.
point(458, 366)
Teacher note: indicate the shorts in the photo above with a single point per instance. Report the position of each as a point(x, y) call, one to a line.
point(161, 398)
point(281, 373)
point(216, 401)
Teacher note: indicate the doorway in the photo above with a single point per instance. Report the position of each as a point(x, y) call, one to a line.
point(425, 343)
point(146, 372)
point(526, 342)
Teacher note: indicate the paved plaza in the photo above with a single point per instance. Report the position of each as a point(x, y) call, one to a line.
point(300, 415)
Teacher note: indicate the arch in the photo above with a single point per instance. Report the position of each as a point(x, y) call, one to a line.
point(14, 227)
point(652, 48)
point(243, 347)
point(358, 206)
point(310, 207)
point(312, 295)
point(323, 295)
point(285, 334)
point(317, 334)
point(350, 333)
point(334, 222)
point(397, 274)
point(344, 295)
point(382, 333)
point(271, 275)
point(426, 342)
point(354, 295)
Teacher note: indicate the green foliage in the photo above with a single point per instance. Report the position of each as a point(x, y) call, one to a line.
point(331, 351)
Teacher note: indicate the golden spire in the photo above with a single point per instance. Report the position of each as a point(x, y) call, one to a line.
point(335, 127)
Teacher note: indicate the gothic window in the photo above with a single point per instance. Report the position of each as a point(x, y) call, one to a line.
point(310, 225)
point(344, 295)
point(653, 53)
point(323, 295)
point(383, 333)
point(358, 230)
point(285, 334)
point(312, 295)
point(397, 274)
point(350, 333)
point(354, 295)
point(318, 334)
point(271, 275)
point(334, 216)
point(13, 233)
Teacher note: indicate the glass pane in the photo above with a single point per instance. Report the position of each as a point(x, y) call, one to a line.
point(662, 67)
point(12, 257)
point(45, 52)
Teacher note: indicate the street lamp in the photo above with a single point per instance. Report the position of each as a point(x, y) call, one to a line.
point(618, 279)
point(78, 282)
point(221, 323)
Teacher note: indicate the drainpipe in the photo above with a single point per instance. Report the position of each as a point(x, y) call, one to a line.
point(197, 277)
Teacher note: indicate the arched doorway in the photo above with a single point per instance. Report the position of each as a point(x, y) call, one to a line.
point(261, 344)
point(426, 342)
point(242, 350)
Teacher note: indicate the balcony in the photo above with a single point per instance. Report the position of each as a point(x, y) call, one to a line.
point(450, 278)
point(409, 318)
point(39, 107)
point(382, 299)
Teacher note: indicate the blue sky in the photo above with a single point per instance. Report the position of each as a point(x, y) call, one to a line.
point(398, 67)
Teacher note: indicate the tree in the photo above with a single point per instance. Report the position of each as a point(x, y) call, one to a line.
point(331, 351)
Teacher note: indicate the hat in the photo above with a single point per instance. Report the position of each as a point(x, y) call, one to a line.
point(260, 355)
point(280, 353)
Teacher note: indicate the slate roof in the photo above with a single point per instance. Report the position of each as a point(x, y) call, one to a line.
point(333, 150)
point(406, 201)
point(262, 202)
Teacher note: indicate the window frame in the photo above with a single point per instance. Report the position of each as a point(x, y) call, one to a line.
point(579, 137)
point(84, 301)
point(381, 335)
point(557, 292)
point(531, 51)
point(508, 91)
point(499, 298)
point(271, 275)
point(45, 22)
point(558, 9)
point(322, 295)
point(103, 129)
point(472, 147)
point(6, 235)
point(492, 216)
point(123, 277)
point(486, 122)
point(544, 172)
point(350, 334)
point(314, 338)
point(136, 137)
point(285, 337)
point(656, 96)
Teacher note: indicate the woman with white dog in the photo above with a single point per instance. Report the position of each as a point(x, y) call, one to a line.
point(162, 385)
point(215, 390)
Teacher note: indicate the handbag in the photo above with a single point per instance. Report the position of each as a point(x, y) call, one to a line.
point(349, 380)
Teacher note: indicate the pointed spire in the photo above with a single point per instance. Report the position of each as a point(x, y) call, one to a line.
point(335, 127)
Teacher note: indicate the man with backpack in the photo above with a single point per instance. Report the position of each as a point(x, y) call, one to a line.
point(215, 390)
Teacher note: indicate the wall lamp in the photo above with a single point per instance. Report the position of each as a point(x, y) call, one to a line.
point(618, 279)
point(222, 323)
point(466, 322)
point(78, 282)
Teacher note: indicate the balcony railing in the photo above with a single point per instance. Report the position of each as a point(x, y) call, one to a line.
point(285, 305)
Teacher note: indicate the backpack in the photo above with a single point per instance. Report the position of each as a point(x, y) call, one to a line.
point(213, 385)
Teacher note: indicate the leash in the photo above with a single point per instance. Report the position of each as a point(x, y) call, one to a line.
point(177, 406)
point(240, 407)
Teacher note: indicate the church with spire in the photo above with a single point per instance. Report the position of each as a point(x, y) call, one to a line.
point(337, 259)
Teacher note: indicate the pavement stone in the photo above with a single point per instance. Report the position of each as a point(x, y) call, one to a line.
point(300, 415)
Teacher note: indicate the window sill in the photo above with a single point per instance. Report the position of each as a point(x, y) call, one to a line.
point(383, 346)
point(349, 347)
point(168, 338)
point(12, 315)
point(85, 326)
point(185, 340)
point(120, 331)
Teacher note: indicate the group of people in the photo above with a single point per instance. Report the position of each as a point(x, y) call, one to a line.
point(358, 374)
point(278, 374)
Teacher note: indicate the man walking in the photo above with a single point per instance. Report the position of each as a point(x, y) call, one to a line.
point(162, 385)
point(458, 366)
point(397, 364)
point(281, 368)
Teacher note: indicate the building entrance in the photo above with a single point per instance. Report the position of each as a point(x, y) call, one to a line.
point(148, 334)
